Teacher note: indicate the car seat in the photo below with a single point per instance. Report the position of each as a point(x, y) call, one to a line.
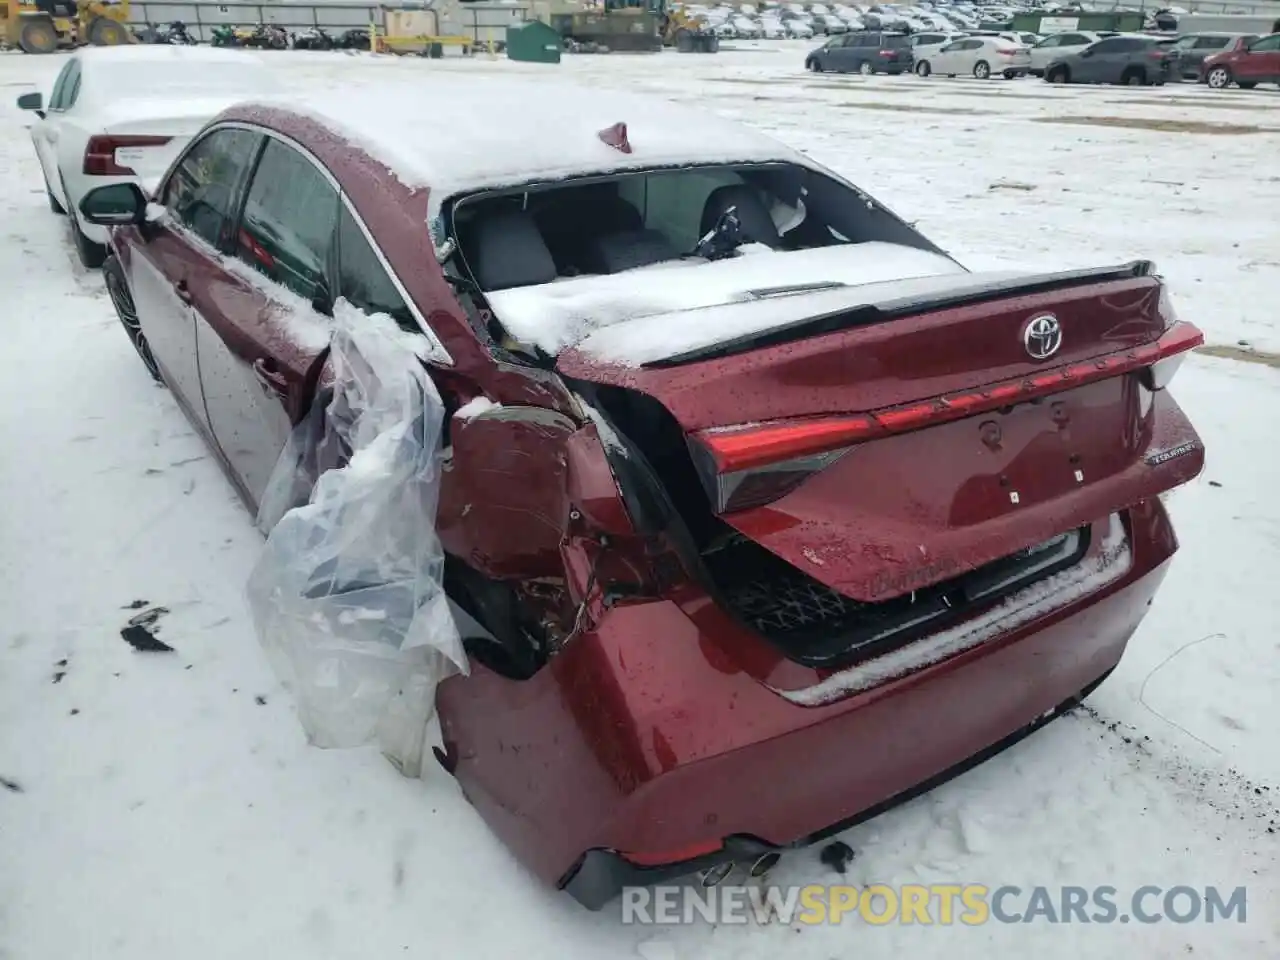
point(507, 250)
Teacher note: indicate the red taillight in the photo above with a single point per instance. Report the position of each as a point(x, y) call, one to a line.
point(100, 153)
point(747, 466)
point(889, 54)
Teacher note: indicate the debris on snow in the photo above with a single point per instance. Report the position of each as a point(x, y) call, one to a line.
point(140, 632)
point(837, 855)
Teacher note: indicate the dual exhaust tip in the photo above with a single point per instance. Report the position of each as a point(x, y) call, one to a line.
point(713, 876)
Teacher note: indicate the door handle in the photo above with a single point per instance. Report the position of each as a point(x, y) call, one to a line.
point(183, 292)
point(269, 375)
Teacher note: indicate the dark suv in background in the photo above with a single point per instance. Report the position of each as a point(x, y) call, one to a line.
point(863, 51)
point(1133, 60)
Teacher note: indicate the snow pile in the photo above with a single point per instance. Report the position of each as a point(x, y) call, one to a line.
point(475, 407)
point(347, 598)
point(561, 313)
point(1110, 563)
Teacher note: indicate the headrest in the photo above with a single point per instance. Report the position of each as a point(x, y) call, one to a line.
point(757, 224)
point(508, 251)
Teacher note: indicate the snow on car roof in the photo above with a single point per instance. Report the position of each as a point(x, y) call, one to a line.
point(458, 134)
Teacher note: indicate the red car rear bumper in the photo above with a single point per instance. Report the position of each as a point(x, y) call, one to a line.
point(641, 752)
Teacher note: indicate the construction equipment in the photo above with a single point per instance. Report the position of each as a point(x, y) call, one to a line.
point(43, 26)
point(603, 25)
point(688, 33)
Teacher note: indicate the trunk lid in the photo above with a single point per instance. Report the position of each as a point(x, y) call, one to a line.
point(179, 120)
point(897, 442)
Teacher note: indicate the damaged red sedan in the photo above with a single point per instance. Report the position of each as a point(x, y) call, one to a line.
point(767, 512)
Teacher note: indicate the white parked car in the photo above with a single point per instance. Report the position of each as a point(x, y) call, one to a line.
point(925, 45)
point(1058, 45)
point(771, 28)
point(977, 56)
point(746, 28)
point(123, 113)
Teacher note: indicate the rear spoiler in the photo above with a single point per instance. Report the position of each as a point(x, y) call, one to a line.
point(870, 313)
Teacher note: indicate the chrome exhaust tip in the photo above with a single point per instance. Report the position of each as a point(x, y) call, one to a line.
point(712, 876)
point(764, 864)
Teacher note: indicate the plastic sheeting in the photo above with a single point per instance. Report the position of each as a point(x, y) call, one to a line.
point(347, 597)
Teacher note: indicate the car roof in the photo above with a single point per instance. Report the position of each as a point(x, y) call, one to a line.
point(454, 135)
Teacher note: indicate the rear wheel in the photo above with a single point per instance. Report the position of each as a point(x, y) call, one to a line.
point(1058, 75)
point(1134, 77)
point(1219, 78)
point(54, 205)
point(865, 68)
point(923, 69)
point(89, 253)
point(38, 36)
point(122, 300)
point(982, 70)
point(107, 33)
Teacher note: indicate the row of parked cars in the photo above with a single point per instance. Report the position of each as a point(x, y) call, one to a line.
point(1217, 59)
point(775, 19)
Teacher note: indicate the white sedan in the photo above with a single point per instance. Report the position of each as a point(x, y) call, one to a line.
point(123, 113)
point(977, 56)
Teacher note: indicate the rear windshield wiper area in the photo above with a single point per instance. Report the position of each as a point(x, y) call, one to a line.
point(870, 313)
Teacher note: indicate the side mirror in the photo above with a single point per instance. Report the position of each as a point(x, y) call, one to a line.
point(114, 205)
point(32, 101)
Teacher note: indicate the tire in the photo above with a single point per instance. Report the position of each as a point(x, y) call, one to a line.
point(1134, 78)
point(54, 205)
point(923, 69)
point(127, 313)
point(1248, 85)
point(38, 36)
point(982, 70)
point(814, 66)
point(1219, 78)
point(1010, 74)
point(865, 68)
point(1058, 75)
point(107, 33)
point(90, 254)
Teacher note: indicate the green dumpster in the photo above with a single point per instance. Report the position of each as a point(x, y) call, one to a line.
point(533, 42)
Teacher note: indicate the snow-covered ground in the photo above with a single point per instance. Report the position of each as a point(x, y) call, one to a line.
point(168, 806)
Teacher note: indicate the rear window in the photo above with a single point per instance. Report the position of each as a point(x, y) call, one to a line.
point(894, 42)
point(682, 218)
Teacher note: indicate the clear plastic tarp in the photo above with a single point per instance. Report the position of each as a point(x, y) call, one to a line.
point(347, 597)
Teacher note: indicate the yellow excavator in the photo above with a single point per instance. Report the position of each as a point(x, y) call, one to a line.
point(43, 26)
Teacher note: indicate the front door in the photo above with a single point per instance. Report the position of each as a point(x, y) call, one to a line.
point(265, 313)
point(1261, 64)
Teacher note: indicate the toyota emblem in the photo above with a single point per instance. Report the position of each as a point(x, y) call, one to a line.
point(1042, 336)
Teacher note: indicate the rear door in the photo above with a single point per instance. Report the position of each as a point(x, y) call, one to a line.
point(265, 313)
point(177, 252)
